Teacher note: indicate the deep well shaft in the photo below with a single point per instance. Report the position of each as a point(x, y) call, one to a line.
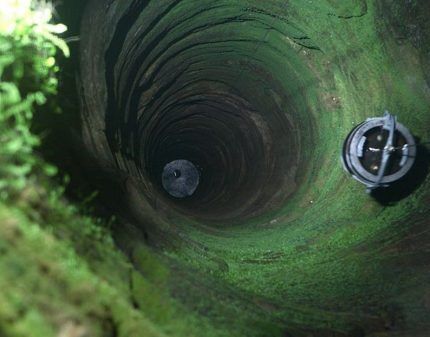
point(260, 95)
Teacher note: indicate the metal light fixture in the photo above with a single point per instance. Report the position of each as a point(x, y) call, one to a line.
point(379, 152)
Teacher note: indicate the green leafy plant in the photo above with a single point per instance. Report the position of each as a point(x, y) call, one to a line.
point(28, 46)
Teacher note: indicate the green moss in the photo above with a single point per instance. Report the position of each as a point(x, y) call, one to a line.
point(324, 262)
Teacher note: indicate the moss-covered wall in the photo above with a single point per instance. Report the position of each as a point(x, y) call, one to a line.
point(279, 241)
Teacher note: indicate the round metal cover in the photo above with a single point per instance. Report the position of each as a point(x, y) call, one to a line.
point(180, 178)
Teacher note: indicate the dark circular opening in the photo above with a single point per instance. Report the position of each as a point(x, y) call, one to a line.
point(220, 99)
